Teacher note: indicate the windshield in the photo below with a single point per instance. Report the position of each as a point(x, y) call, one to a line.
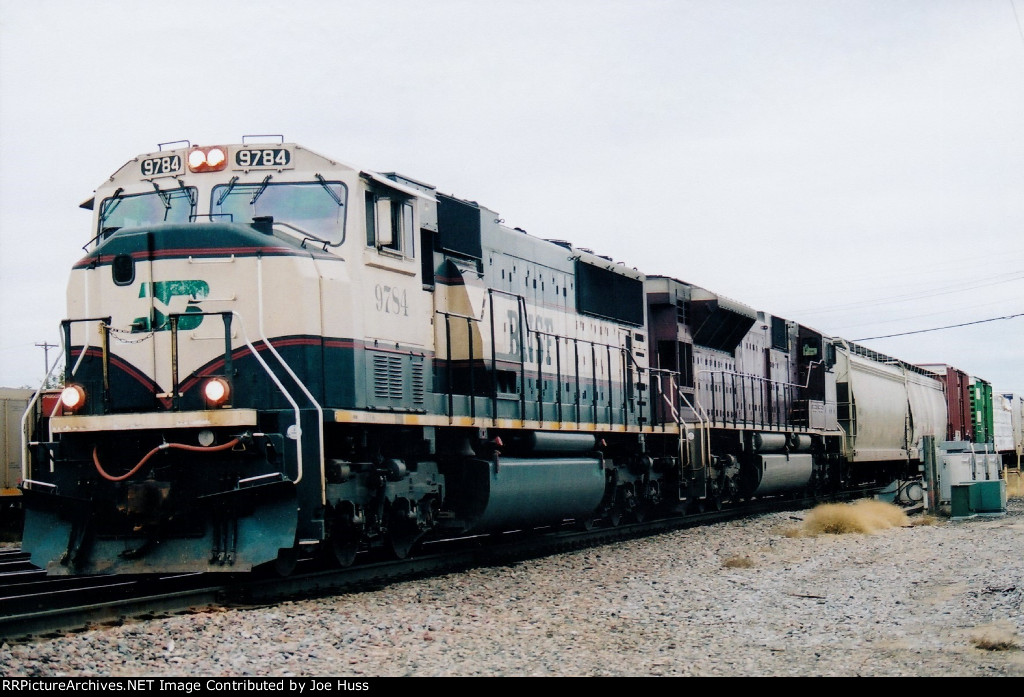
point(316, 208)
point(170, 206)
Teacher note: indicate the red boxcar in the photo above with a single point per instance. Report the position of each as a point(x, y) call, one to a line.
point(959, 425)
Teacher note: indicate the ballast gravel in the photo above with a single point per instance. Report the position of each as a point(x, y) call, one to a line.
point(745, 598)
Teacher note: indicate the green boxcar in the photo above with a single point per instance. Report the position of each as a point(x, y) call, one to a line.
point(981, 412)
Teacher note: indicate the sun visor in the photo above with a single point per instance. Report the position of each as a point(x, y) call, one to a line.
point(395, 186)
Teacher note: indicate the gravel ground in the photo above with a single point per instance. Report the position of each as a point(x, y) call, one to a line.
point(747, 598)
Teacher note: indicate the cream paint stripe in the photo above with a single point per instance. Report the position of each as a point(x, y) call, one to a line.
point(351, 416)
point(405, 419)
point(174, 419)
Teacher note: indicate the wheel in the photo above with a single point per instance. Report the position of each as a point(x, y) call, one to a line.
point(402, 541)
point(344, 542)
point(403, 532)
point(344, 549)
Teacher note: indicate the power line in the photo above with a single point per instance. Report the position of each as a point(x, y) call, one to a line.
point(874, 323)
point(935, 329)
point(958, 287)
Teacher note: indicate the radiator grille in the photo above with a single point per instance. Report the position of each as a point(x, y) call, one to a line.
point(418, 386)
point(387, 376)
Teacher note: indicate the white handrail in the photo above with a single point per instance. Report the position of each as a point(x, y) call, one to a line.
point(31, 407)
point(302, 386)
point(288, 396)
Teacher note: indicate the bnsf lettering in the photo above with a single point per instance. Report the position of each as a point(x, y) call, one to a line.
point(545, 326)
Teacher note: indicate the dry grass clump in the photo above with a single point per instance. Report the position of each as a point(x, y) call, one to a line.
point(864, 516)
point(987, 643)
point(738, 563)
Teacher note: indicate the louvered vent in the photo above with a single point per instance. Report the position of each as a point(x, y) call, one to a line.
point(418, 387)
point(387, 376)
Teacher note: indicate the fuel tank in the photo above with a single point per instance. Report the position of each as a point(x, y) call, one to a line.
point(508, 493)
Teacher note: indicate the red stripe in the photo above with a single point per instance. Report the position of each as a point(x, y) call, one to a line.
point(200, 252)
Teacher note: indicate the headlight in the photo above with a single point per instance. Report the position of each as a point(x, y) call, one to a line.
point(217, 391)
point(72, 398)
point(210, 159)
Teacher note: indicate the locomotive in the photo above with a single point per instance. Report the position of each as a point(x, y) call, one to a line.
point(270, 354)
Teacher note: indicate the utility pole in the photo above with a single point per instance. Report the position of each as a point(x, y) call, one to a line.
point(46, 356)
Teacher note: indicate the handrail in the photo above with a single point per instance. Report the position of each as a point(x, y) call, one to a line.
point(448, 352)
point(302, 386)
point(684, 428)
point(30, 408)
point(527, 334)
point(304, 234)
point(762, 380)
point(705, 424)
point(280, 386)
point(226, 316)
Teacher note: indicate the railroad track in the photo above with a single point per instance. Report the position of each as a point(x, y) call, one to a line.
point(33, 605)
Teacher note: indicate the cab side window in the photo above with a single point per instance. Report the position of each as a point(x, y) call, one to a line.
point(390, 225)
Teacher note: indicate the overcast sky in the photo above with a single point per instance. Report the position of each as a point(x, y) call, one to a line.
point(855, 165)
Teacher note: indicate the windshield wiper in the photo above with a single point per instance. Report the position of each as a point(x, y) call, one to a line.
point(231, 185)
point(165, 197)
point(190, 193)
point(108, 210)
point(327, 188)
point(259, 191)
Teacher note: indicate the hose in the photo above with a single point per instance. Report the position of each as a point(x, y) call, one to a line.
point(163, 446)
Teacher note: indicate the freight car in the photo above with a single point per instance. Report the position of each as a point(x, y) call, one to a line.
point(270, 354)
point(22, 413)
point(1008, 412)
point(13, 405)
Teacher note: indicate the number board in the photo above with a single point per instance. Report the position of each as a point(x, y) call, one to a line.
point(161, 166)
point(263, 157)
